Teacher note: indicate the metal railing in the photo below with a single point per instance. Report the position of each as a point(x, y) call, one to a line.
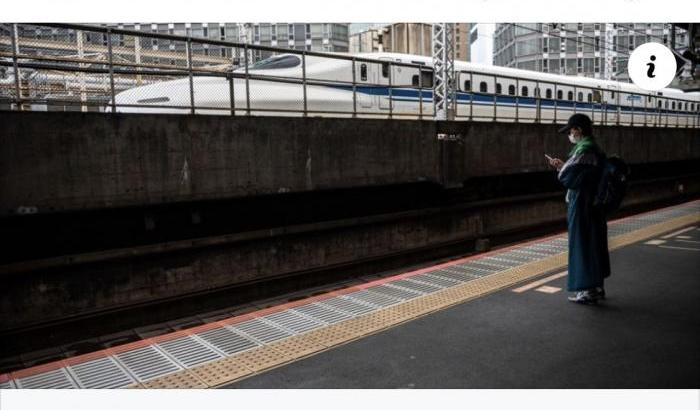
point(93, 68)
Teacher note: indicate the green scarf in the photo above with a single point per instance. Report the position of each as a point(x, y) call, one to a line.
point(585, 144)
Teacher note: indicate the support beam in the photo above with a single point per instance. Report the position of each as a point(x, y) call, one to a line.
point(444, 95)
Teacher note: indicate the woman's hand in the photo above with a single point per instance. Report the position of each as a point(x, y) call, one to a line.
point(556, 163)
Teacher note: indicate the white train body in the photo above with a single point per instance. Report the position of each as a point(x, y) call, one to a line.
point(485, 93)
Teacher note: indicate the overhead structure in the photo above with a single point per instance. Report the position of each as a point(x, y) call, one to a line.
point(444, 92)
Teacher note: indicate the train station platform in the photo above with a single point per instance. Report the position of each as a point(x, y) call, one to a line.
point(499, 319)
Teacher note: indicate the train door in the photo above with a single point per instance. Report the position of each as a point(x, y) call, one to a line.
point(383, 79)
point(364, 79)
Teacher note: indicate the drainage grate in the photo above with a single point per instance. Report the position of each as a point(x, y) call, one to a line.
point(504, 261)
point(189, 352)
point(261, 331)
point(436, 280)
point(322, 313)
point(372, 299)
point(7, 385)
point(103, 373)
point(453, 275)
point(227, 341)
point(56, 379)
point(491, 264)
point(292, 321)
point(345, 305)
point(469, 269)
point(394, 292)
point(147, 363)
point(416, 286)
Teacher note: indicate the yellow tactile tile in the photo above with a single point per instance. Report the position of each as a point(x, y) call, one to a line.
point(262, 358)
point(222, 371)
point(180, 380)
point(296, 347)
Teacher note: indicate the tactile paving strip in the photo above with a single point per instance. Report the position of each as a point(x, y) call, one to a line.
point(103, 373)
point(56, 379)
point(308, 329)
point(189, 352)
point(221, 371)
point(147, 363)
point(227, 341)
point(179, 380)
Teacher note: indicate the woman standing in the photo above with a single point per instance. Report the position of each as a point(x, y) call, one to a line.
point(589, 260)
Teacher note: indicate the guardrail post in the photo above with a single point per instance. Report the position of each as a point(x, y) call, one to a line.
point(247, 80)
point(231, 92)
point(189, 70)
point(391, 102)
point(537, 101)
point(632, 109)
point(354, 88)
point(111, 70)
point(556, 103)
point(517, 100)
point(15, 66)
point(495, 102)
point(303, 80)
point(420, 92)
point(471, 95)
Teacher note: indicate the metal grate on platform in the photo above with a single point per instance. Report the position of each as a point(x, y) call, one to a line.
point(394, 292)
point(292, 321)
point(102, 373)
point(347, 306)
point(261, 331)
point(436, 280)
point(454, 275)
point(56, 379)
point(7, 385)
point(322, 313)
point(372, 299)
point(416, 285)
point(147, 363)
point(189, 352)
point(227, 341)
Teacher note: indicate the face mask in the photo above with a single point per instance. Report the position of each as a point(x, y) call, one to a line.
point(573, 138)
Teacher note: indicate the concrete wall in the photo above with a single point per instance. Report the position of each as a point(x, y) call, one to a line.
point(73, 161)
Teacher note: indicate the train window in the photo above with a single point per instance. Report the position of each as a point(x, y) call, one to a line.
point(427, 79)
point(686, 106)
point(523, 91)
point(363, 72)
point(548, 93)
point(560, 95)
point(612, 94)
point(276, 62)
point(590, 97)
point(659, 103)
point(570, 96)
point(673, 105)
point(483, 87)
point(467, 85)
point(596, 96)
point(385, 70)
point(511, 89)
point(498, 88)
point(648, 98)
point(580, 96)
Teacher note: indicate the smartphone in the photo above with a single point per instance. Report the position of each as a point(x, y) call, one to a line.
point(548, 157)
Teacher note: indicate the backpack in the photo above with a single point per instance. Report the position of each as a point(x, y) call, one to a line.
point(613, 184)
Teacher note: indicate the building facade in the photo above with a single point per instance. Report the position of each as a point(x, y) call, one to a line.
point(408, 38)
point(598, 50)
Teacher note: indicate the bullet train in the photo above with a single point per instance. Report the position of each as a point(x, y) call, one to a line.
point(485, 93)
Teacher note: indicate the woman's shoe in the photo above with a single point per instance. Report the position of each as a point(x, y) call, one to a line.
point(584, 297)
point(599, 293)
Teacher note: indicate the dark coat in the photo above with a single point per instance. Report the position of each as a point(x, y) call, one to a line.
point(589, 260)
